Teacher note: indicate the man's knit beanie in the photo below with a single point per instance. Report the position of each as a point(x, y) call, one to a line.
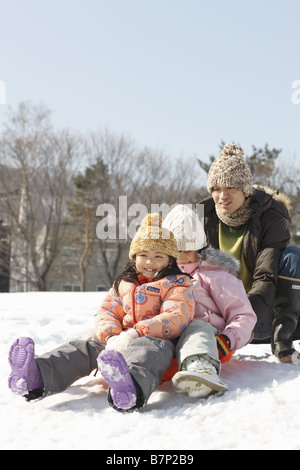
point(152, 236)
point(230, 170)
point(187, 228)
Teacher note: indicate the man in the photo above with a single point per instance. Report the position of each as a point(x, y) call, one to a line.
point(251, 223)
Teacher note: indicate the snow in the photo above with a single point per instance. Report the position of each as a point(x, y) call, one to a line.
point(259, 411)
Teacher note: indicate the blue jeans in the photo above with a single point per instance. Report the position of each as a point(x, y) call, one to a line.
point(289, 266)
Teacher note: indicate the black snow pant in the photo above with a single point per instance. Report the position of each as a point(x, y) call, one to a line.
point(148, 359)
point(286, 316)
point(69, 362)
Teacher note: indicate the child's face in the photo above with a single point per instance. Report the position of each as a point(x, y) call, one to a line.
point(149, 262)
point(185, 257)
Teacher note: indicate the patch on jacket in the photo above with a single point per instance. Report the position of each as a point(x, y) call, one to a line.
point(173, 278)
point(154, 289)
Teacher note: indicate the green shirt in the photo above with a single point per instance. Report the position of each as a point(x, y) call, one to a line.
point(231, 241)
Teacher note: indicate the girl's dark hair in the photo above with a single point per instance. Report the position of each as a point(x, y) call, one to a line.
point(130, 273)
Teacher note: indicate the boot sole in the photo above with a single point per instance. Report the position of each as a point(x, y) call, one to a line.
point(25, 375)
point(194, 385)
point(114, 370)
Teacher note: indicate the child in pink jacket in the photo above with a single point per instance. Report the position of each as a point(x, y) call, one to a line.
point(224, 319)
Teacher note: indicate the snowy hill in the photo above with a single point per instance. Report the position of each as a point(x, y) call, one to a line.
point(260, 410)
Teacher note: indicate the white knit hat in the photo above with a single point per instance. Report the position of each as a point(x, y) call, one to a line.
point(186, 227)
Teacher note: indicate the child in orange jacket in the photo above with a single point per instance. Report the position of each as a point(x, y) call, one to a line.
point(150, 304)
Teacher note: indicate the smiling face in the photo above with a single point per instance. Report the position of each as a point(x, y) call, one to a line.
point(149, 262)
point(228, 200)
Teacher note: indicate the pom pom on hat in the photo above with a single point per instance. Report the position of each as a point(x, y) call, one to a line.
point(230, 170)
point(232, 149)
point(152, 236)
point(187, 228)
point(152, 220)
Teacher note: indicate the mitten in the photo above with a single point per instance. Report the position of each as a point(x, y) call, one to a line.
point(223, 344)
point(122, 341)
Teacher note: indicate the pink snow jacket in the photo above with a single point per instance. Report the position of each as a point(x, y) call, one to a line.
point(220, 297)
point(162, 308)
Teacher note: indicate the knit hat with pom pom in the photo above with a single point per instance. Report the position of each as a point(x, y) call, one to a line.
point(152, 236)
point(230, 170)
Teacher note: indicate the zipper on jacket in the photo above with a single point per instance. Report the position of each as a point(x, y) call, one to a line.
point(133, 304)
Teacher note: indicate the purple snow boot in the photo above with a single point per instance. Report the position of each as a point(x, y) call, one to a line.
point(25, 374)
point(114, 370)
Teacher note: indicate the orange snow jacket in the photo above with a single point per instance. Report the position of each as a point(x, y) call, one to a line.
point(162, 309)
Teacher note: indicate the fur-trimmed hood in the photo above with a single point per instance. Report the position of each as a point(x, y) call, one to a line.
point(276, 195)
point(265, 198)
point(219, 259)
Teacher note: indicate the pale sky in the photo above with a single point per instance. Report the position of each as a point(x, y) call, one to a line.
point(180, 75)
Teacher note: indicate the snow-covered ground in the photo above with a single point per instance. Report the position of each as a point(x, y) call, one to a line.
point(260, 410)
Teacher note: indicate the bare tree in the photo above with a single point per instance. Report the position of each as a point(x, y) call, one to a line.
point(103, 180)
point(38, 163)
point(91, 186)
point(121, 176)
